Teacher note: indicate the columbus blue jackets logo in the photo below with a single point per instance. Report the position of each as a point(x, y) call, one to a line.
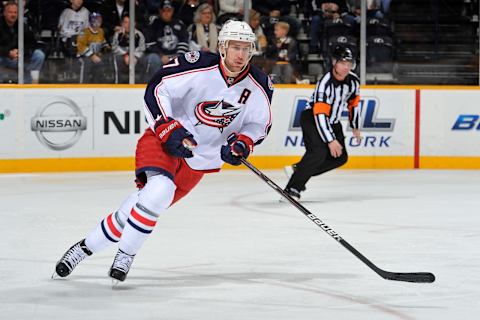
point(218, 114)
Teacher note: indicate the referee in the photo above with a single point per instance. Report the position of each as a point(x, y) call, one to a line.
point(322, 131)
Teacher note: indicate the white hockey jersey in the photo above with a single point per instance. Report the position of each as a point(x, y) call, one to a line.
point(194, 89)
point(72, 22)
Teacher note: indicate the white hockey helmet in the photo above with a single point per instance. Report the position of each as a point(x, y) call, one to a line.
point(237, 31)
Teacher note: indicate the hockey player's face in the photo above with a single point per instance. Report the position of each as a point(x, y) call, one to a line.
point(341, 69)
point(237, 55)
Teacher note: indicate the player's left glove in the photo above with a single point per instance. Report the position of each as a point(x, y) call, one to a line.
point(176, 140)
point(237, 146)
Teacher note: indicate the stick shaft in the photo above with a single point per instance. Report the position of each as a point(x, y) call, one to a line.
point(409, 277)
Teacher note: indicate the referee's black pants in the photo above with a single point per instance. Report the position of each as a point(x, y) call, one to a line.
point(317, 158)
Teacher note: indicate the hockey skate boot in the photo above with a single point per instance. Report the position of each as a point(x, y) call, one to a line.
point(121, 265)
point(71, 259)
point(292, 192)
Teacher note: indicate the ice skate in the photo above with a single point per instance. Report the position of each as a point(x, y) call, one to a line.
point(71, 259)
point(120, 267)
point(292, 192)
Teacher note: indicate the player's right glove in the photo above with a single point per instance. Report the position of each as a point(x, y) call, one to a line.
point(237, 146)
point(176, 140)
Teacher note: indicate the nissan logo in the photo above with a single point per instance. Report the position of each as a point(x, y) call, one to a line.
point(59, 116)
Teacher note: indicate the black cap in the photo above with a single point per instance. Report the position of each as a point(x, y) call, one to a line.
point(166, 4)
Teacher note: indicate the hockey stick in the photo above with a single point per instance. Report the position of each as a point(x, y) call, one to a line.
point(398, 276)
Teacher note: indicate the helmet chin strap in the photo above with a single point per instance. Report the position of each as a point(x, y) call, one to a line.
point(223, 55)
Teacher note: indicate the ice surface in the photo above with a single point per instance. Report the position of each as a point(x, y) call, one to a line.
point(231, 251)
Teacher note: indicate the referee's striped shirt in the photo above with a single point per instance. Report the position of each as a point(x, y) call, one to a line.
point(330, 98)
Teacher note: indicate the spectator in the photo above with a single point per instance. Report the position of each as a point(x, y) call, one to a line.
point(284, 52)
point(31, 15)
point(230, 10)
point(166, 38)
point(322, 10)
point(271, 12)
point(377, 8)
point(112, 13)
point(261, 42)
point(92, 49)
point(34, 58)
point(120, 48)
point(152, 6)
point(259, 59)
point(187, 11)
point(72, 21)
point(204, 32)
point(268, 23)
point(265, 7)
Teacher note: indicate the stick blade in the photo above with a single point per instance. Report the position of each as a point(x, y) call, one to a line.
point(418, 277)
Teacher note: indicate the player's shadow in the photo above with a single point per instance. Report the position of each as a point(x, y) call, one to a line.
point(175, 279)
point(190, 279)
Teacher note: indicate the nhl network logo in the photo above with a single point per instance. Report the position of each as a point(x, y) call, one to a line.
point(55, 120)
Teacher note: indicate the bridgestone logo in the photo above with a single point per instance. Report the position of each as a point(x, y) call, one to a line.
point(167, 130)
point(322, 225)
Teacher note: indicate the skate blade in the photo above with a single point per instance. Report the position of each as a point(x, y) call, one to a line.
point(55, 275)
point(115, 283)
point(283, 200)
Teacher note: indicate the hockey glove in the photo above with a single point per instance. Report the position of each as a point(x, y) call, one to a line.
point(237, 146)
point(176, 140)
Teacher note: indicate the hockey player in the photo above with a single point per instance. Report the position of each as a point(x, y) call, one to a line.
point(203, 109)
point(322, 131)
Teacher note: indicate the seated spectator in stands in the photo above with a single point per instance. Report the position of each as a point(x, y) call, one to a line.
point(271, 12)
point(112, 13)
point(204, 32)
point(31, 15)
point(258, 58)
point(187, 11)
point(261, 41)
point(72, 21)
point(152, 6)
point(322, 10)
point(268, 23)
point(265, 7)
point(34, 58)
point(121, 53)
point(230, 10)
point(284, 52)
point(377, 8)
point(93, 50)
point(165, 37)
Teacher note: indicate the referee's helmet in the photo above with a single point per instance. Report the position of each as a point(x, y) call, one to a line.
point(341, 53)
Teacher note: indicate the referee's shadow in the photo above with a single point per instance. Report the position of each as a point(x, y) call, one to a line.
point(312, 199)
